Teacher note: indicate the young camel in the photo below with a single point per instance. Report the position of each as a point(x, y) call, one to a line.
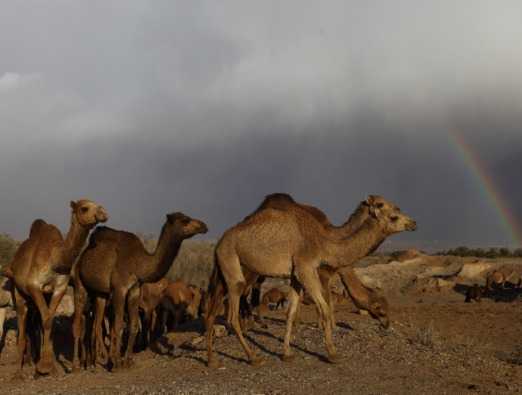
point(291, 244)
point(375, 304)
point(116, 264)
point(180, 298)
point(150, 298)
point(41, 266)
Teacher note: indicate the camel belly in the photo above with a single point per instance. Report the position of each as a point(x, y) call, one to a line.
point(271, 265)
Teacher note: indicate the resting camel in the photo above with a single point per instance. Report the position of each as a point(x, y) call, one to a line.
point(474, 293)
point(273, 296)
point(291, 244)
point(116, 264)
point(41, 266)
point(375, 304)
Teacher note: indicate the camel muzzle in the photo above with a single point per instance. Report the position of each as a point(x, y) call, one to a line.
point(412, 226)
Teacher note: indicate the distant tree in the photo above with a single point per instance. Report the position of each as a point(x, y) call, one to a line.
point(518, 253)
point(504, 252)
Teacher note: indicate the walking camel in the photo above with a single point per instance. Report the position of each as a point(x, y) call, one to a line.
point(41, 266)
point(116, 264)
point(290, 243)
point(363, 297)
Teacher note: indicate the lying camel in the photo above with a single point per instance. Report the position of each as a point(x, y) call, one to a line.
point(274, 296)
point(495, 279)
point(291, 244)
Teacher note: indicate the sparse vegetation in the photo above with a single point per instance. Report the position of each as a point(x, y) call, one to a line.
point(8, 248)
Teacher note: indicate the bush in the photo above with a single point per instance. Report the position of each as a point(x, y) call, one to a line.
point(8, 248)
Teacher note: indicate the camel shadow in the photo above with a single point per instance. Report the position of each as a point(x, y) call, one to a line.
point(280, 340)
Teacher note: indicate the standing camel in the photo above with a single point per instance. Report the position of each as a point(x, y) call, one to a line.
point(115, 265)
point(41, 267)
point(292, 244)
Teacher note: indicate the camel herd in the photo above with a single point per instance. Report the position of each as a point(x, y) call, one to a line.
point(114, 277)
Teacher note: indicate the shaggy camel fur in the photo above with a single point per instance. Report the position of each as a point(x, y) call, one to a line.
point(116, 264)
point(291, 244)
point(42, 266)
point(375, 304)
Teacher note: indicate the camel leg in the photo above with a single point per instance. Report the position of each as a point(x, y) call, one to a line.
point(291, 314)
point(133, 300)
point(326, 281)
point(118, 304)
point(2, 320)
point(309, 278)
point(234, 297)
point(46, 364)
point(215, 301)
point(21, 314)
point(99, 350)
point(80, 299)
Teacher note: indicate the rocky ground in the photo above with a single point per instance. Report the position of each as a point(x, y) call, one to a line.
point(436, 344)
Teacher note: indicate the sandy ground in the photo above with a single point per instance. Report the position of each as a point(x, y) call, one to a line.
point(437, 344)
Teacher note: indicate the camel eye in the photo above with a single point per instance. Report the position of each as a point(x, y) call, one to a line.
point(394, 218)
point(380, 205)
point(84, 209)
point(185, 221)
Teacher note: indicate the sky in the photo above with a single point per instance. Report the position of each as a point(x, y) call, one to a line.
point(205, 107)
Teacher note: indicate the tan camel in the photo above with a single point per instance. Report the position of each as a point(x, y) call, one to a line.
point(115, 264)
point(495, 279)
point(375, 304)
point(274, 296)
point(41, 266)
point(5, 302)
point(291, 244)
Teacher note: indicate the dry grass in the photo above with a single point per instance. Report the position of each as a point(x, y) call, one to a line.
point(194, 263)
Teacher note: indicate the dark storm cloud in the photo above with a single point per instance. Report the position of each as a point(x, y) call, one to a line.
point(206, 107)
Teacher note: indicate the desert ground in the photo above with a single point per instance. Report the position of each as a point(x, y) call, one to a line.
point(437, 343)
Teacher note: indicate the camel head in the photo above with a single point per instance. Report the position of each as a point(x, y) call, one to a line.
point(389, 215)
point(185, 226)
point(88, 213)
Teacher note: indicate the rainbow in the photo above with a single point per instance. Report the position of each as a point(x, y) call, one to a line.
point(479, 169)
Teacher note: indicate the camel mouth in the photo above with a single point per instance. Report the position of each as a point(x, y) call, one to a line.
point(412, 226)
point(203, 228)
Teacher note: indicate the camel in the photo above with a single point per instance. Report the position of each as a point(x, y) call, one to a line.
point(273, 296)
point(41, 266)
point(375, 304)
point(150, 298)
point(115, 264)
point(291, 244)
point(495, 279)
point(474, 293)
point(179, 299)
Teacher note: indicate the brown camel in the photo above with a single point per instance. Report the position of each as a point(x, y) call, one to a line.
point(42, 266)
point(274, 296)
point(292, 244)
point(150, 299)
point(474, 293)
point(116, 264)
point(375, 304)
point(495, 279)
point(180, 298)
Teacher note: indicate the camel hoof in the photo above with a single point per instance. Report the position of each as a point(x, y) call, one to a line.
point(214, 363)
point(257, 362)
point(288, 357)
point(334, 358)
point(45, 367)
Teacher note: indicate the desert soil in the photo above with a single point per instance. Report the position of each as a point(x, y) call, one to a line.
point(436, 344)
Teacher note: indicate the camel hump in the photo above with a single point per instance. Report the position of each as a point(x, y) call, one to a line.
point(37, 226)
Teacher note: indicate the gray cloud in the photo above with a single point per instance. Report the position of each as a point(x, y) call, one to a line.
point(206, 107)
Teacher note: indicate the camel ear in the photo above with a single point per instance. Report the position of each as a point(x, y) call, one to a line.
point(73, 204)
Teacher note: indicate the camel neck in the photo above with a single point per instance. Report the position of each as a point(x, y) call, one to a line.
point(365, 240)
point(74, 242)
point(160, 262)
point(351, 225)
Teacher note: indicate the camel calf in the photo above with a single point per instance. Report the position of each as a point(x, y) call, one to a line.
point(150, 298)
point(180, 298)
point(272, 297)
